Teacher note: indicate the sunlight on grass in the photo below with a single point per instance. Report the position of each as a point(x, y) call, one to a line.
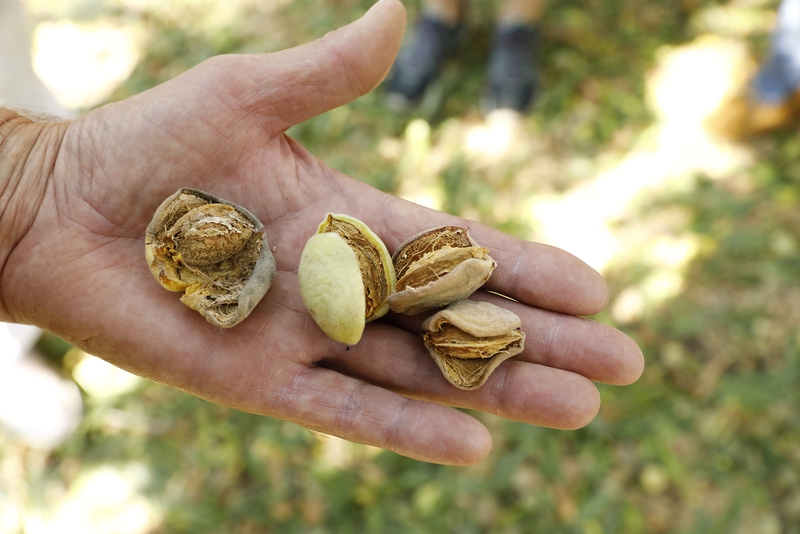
point(698, 240)
point(334, 453)
point(103, 499)
point(83, 64)
point(494, 138)
point(687, 85)
point(101, 379)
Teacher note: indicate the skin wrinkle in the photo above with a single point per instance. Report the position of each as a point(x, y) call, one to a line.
point(390, 213)
point(74, 214)
point(499, 395)
point(40, 141)
point(391, 434)
point(620, 376)
point(205, 365)
point(237, 391)
point(515, 270)
point(180, 143)
point(347, 410)
point(422, 447)
point(126, 293)
point(385, 228)
point(498, 383)
point(213, 89)
point(91, 180)
point(603, 332)
point(190, 112)
point(287, 142)
point(285, 398)
point(333, 184)
point(572, 415)
point(512, 278)
point(108, 182)
point(546, 343)
point(85, 167)
point(400, 430)
point(284, 303)
point(92, 184)
point(354, 86)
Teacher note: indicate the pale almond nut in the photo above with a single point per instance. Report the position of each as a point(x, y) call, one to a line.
point(334, 276)
point(332, 287)
point(213, 251)
point(468, 340)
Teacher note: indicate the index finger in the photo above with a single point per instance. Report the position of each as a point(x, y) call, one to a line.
point(533, 273)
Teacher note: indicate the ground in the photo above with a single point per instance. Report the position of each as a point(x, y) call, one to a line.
point(699, 240)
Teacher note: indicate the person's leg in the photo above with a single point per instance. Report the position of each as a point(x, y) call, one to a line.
point(513, 70)
point(444, 10)
point(519, 12)
point(772, 100)
point(433, 39)
point(779, 76)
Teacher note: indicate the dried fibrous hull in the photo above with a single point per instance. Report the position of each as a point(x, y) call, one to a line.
point(345, 276)
point(438, 267)
point(468, 340)
point(213, 251)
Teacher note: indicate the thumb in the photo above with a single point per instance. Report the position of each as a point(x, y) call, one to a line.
point(291, 86)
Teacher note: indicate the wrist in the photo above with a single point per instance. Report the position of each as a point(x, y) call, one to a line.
point(28, 153)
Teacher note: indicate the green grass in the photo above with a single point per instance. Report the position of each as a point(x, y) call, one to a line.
point(706, 441)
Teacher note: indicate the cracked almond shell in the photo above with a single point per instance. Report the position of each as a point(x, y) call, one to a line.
point(212, 250)
point(437, 267)
point(468, 340)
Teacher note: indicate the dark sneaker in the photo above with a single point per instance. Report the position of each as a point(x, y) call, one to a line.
point(421, 60)
point(513, 70)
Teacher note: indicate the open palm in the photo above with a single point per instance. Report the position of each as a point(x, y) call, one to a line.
point(80, 270)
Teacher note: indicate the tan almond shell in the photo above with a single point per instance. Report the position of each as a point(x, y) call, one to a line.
point(256, 285)
point(457, 284)
point(449, 288)
point(480, 320)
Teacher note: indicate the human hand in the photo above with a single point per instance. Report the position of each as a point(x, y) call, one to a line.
point(74, 260)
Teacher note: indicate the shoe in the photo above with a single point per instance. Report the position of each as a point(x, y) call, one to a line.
point(772, 99)
point(747, 115)
point(421, 61)
point(513, 70)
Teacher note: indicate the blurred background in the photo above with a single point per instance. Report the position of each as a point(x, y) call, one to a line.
point(698, 238)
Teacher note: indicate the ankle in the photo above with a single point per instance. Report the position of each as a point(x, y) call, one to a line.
point(449, 12)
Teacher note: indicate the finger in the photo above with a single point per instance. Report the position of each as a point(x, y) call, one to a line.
point(543, 276)
point(597, 351)
point(294, 85)
point(327, 401)
point(533, 273)
point(517, 390)
point(594, 350)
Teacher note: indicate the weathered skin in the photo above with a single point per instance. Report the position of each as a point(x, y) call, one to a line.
point(76, 197)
